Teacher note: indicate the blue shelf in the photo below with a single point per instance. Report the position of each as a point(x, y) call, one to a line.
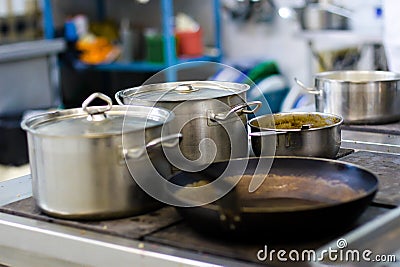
point(167, 12)
point(132, 66)
point(143, 66)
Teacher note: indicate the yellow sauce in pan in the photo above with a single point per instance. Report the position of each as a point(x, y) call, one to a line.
point(295, 121)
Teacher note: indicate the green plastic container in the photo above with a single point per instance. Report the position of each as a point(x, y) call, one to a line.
point(154, 48)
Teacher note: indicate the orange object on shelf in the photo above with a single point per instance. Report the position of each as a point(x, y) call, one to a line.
point(189, 44)
point(97, 50)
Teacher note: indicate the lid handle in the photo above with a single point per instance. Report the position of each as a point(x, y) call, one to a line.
point(185, 88)
point(96, 113)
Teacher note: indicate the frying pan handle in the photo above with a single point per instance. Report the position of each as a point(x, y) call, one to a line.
point(229, 211)
point(310, 90)
point(165, 141)
point(238, 108)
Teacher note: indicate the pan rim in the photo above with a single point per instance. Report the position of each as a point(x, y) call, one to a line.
point(368, 193)
point(288, 130)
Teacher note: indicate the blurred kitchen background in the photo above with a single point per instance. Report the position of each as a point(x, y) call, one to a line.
point(54, 53)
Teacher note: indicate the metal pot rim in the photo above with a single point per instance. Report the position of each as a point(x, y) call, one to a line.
point(385, 76)
point(251, 122)
point(31, 124)
point(234, 89)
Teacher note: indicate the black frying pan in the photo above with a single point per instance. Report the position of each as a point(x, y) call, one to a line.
point(305, 209)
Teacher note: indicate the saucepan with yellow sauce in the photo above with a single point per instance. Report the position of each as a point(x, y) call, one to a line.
point(298, 196)
point(312, 134)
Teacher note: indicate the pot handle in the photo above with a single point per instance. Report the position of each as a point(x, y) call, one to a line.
point(118, 98)
point(238, 108)
point(95, 111)
point(310, 90)
point(166, 141)
point(185, 88)
point(337, 10)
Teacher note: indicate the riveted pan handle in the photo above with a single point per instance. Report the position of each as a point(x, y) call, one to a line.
point(239, 108)
point(165, 141)
point(310, 90)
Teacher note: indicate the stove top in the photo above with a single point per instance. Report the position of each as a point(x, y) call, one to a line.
point(165, 227)
point(389, 128)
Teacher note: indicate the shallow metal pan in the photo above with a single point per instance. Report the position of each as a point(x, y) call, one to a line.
point(269, 214)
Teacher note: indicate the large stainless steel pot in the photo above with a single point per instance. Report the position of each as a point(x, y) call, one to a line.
point(311, 134)
point(358, 96)
point(210, 115)
point(79, 159)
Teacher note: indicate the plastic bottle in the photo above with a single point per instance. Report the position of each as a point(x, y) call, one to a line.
point(126, 36)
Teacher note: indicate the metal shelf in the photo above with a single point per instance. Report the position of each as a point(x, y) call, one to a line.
point(144, 66)
point(167, 13)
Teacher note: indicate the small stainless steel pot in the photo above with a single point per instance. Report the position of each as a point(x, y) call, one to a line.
point(310, 134)
point(318, 16)
point(360, 97)
point(323, 17)
point(212, 116)
point(79, 158)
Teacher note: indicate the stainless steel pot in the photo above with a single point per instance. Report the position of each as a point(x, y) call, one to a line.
point(318, 16)
point(79, 159)
point(323, 17)
point(360, 97)
point(311, 134)
point(212, 117)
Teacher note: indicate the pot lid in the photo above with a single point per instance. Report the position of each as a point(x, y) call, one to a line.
point(97, 121)
point(183, 91)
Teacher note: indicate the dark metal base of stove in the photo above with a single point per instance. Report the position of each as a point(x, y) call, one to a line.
point(132, 227)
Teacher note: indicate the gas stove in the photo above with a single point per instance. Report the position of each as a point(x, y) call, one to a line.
point(163, 238)
point(381, 138)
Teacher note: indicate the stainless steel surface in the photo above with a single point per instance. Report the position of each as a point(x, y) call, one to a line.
point(15, 189)
point(378, 142)
point(198, 110)
point(180, 91)
point(92, 112)
point(381, 237)
point(323, 17)
point(82, 173)
point(358, 96)
point(27, 242)
point(322, 141)
point(238, 108)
